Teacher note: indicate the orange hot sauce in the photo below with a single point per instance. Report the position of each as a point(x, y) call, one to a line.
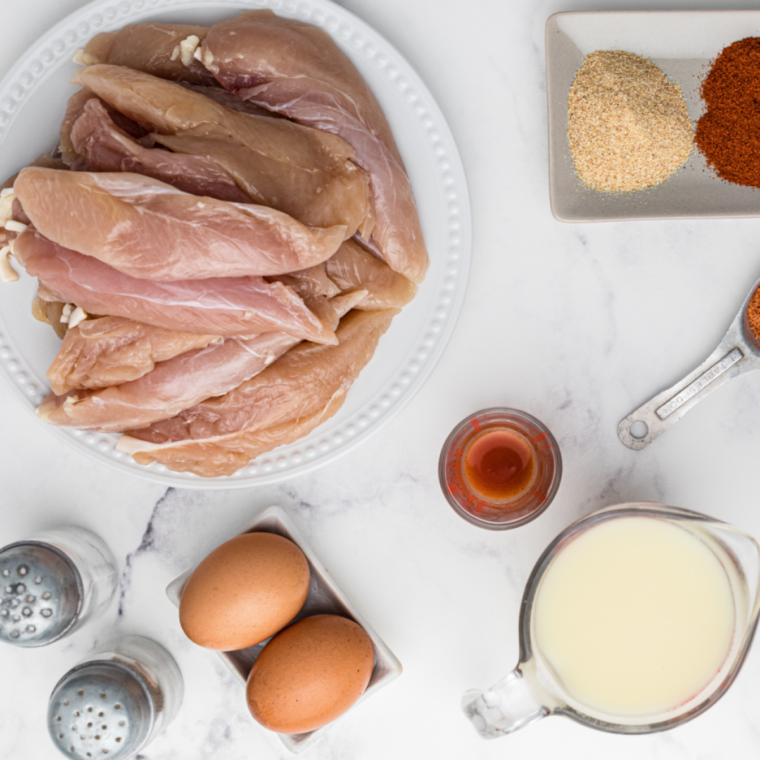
point(499, 465)
point(500, 468)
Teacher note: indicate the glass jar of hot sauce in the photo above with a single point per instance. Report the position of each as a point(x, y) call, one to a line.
point(500, 468)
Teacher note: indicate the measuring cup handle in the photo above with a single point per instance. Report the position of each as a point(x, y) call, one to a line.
point(730, 359)
point(506, 706)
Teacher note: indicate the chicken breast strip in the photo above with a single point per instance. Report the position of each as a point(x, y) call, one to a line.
point(228, 306)
point(283, 403)
point(150, 230)
point(306, 173)
point(107, 351)
point(295, 69)
point(165, 50)
point(174, 384)
point(105, 147)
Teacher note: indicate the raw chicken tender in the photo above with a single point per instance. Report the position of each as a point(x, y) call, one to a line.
point(150, 230)
point(295, 69)
point(175, 384)
point(151, 47)
point(114, 350)
point(172, 386)
point(229, 306)
point(352, 267)
point(228, 99)
point(309, 283)
point(51, 313)
point(74, 109)
point(216, 457)
point(304, 172)
point(299, 383)
point(283, 403)
point(107, 148)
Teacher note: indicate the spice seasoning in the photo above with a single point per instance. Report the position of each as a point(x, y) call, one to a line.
point(753, 314)
point(628, 126)
point(728, 134)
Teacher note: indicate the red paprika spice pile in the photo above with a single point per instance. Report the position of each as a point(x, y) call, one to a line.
point(753, 314)
point(728, 134)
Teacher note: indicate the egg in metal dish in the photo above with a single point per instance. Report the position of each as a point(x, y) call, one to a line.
point(310, 674)
point(244, 591)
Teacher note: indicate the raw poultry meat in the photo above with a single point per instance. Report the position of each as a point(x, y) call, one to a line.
point(172, 386)
point(107, 351)
point(150, 230)
point(10, 207)
point(107, 148)
point(74, 109)
point(216, 457)
point(282, 403)
point(297, 385)
point(151, 47)
point(51, 313)
point(332, 309)
point(296, 69)
point(351, 267)
point(304, 172)
point(175, 384)
point(228, 99)
point(229, 306)
point(309, 283)
point(203, 357)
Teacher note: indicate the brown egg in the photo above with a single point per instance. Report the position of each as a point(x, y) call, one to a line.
point(309, 674)
point(245, 591)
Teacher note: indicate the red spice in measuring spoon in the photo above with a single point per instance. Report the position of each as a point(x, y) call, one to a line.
point(500, 468)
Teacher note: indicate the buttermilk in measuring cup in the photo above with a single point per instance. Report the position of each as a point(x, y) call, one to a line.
point(634, 616)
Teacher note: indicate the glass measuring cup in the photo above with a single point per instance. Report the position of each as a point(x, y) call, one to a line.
point(738, 352)
point(534, 689)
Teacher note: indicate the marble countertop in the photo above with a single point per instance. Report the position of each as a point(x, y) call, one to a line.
point(575, 324)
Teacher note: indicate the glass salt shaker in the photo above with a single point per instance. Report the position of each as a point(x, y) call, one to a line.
point(52, 583)
point(115, 701)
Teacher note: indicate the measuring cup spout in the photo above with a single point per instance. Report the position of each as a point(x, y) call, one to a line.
point(508, 705)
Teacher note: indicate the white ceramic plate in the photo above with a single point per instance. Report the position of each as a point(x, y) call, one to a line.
point(33, 96)
point(682, 44)
point(325, 598)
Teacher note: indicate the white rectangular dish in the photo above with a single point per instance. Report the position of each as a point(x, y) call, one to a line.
point(324, 598)
point(682, 44)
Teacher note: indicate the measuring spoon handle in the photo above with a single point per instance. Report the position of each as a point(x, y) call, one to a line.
point(731, 358)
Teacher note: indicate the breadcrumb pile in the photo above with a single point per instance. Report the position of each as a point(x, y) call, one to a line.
point(628, 126)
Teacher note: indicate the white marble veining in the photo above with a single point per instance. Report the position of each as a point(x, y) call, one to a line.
point(577, 325)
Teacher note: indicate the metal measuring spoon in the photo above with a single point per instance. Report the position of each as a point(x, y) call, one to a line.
point(737, 353)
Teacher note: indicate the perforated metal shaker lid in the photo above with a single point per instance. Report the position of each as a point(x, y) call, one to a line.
point(40, 594)
point(100, 709)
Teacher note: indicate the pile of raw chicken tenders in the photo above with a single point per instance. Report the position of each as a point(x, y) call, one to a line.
point(225, 236)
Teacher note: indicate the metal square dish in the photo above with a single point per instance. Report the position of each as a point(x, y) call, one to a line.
point(682, 44)
point(324, 598)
